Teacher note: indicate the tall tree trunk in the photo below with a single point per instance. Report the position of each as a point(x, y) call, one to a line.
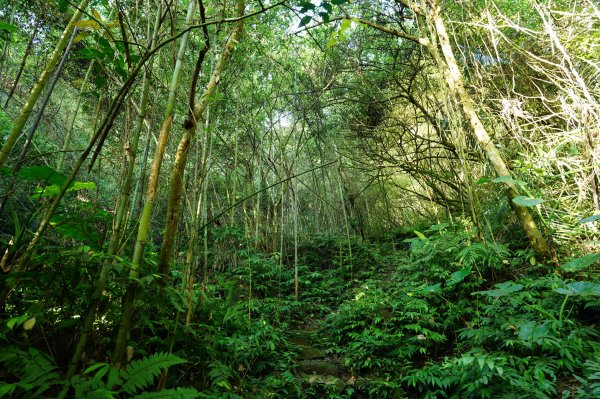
point(174, 202)
point(142, 236)
point(23, 62)
point(120, 213)
point(455, 82)
point(67, 140)
point(36, 121)
point(39, 86)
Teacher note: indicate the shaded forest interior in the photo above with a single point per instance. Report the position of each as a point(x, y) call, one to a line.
point(299, 199)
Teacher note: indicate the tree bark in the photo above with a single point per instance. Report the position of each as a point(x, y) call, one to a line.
point(23, 61)
point(39, 86)
point(455, 83)
point(119, 219)
point(174, 202)
point(428, 12)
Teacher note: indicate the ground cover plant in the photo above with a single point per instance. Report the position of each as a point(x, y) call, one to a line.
point(299, 199)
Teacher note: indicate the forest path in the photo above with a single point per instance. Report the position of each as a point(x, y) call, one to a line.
point(315, 364)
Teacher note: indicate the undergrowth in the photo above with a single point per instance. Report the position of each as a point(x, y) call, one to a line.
point(434, 314)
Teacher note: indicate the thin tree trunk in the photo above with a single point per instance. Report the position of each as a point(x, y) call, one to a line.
point(39, 86)
point(46, 100)
point(23, 62)
point(67, 141)
point(455, 83)
point(5, 46)
point(174, 202)
point(36, 121)
point(138, 253)
point(142, 237)
point(136, 199)
point(295, 222)
point(119, 219)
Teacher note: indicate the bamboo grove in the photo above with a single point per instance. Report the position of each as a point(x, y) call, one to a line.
point(150, 147)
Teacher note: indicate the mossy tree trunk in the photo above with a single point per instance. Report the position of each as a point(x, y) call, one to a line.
point(35, 93)
point(197, 117)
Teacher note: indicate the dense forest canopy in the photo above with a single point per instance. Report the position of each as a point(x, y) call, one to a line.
point(299, 199)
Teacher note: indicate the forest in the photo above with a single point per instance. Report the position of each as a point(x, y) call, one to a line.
point(300, 199)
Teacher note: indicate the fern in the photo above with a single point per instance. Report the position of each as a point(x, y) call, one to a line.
point(111, 383)
point(177, 393)
point(37, 370)
point(141, 373)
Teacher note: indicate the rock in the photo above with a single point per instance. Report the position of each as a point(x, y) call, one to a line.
point(324, 367)
point(331, 380)
point(301, 337)
point(306, 352)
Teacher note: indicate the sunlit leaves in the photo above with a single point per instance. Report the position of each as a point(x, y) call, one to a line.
point(527, 201)
point(582, 263)
point(87, 23)
point(43, 173)
point(590, 219)
point(52, 190)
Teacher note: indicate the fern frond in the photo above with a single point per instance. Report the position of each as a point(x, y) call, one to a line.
point(85, 386)
point(140, 373)
point(37, 372)
point(177, 393)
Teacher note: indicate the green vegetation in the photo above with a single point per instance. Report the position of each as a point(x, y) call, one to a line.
point(299, 199)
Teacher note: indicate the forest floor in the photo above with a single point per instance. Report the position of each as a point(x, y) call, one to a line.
point(436, 315)
point(444, 317)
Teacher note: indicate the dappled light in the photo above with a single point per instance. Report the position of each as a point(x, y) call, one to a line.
point(299, 199)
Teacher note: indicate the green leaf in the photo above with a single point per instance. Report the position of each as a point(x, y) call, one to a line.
point(7, 389)
point(141, 373)
point(7, 27)
point(338, 2)
point(527, 201)
point(305, 20)
point(431, 288)
point(589, 219)
point(94, 367)
point(420, 235)
point(327, 6)
point(16, 321)
point(306, 5)
point(346, 24)
point(437, 227)
point(530, 331)
point(483, 180)
point(580, 288)
point(49, 191)
point(88, 23)
point(63, 5)
point(458, 276)
point(503, 179)
point(578, 264)
point(502, 290)
point(44, 173)
point(325, 16)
